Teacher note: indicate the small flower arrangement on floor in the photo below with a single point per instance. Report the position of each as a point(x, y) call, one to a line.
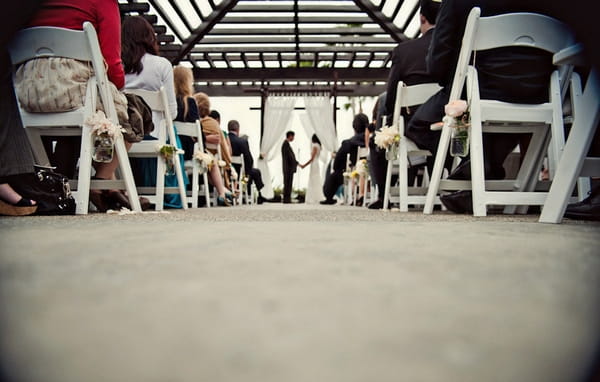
point(205, 160)
point(168, 152)
point(458, 117)
point(104, 132)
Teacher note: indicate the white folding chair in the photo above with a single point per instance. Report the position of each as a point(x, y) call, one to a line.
point(348, 183)
point(541, 120)
point(193, 129)
point(157, 100)
point(81, 45)
point(216, 148)
point(362, 153)
point(407, 96)
point(238, 186)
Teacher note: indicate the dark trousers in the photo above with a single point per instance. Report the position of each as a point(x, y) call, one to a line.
point(378, 170)
point(15, 151)
point(333, 181)
point(254, 176)
point(288, 179)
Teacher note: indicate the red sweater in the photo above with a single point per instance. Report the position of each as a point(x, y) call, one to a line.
point(103, 14)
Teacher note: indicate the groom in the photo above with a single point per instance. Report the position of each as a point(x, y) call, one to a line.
point(289, 166)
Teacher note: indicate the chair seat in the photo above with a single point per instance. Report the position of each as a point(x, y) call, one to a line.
point(499, 111)
point(63, 119)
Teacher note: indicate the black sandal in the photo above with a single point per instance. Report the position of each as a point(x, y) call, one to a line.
point(21, 208)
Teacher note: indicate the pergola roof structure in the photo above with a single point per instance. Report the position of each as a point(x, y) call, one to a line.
point(236, 47)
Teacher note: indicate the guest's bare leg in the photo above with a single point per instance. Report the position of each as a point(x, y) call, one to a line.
point(8, 194)
point(107, 170)
point(217, 181)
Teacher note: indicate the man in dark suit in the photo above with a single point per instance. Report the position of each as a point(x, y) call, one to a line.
point(335, 179)
point(408, 66)
point(513, 74)
point(239, 146)
point(289, 166)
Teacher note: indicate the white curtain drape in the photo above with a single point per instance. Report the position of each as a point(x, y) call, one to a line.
point(278, 114)
point(320, 113)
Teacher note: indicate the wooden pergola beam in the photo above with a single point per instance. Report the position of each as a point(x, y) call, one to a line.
point(299, 74)
point(384, 22)
point(217, 15)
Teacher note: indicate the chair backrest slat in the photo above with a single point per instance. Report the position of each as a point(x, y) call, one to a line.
point(510, 29)
point(40, 42)
point(522, 29)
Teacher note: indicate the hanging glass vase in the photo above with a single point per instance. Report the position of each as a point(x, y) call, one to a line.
point(104, 147)
point(459, 141)
point(391, 152)
point(169, 164)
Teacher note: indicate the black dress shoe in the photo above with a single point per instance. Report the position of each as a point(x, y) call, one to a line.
point(587, 209)
point(376, 205)
point(327, 201)
point(460, 202)
point(260, 200)
point(463, 171)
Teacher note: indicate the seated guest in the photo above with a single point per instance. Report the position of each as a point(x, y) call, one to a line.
point(16, 159)
point(63, 87)
point(335, 179)
point(226, 147)
point(187, 110)
point(408, 66)
point(212, 134)
point(240, 146)
point(512, 74)
point(145, 69)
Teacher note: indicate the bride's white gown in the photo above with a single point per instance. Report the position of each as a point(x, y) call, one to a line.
point(314, 192)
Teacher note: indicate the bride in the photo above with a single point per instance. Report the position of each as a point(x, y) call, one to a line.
point(314, 192)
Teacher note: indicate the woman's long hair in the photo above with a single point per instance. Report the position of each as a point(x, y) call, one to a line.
point(203, 103)
point(315, 139)
point(137, 39)
point(183, 79)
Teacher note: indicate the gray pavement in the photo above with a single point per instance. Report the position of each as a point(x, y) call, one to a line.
point(297, 293)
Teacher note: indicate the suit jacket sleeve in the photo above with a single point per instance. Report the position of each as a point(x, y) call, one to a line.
point(288, 155)
point(445, 44)
point(248, 160)
point(396, 74)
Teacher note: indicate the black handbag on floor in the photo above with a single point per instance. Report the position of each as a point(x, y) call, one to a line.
point(49, 189)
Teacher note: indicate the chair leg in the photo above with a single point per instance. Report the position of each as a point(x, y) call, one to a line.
point(477, 166)
point(180, 183)
point(195, 185)
point(160, 183)
point(388, 184)
point(438, 167)
point(206, 190)
point(126, 173)
point(403, 176)
point(85, 173)
point(575, 151)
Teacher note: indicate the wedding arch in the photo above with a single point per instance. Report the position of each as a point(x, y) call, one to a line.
point(278, 109)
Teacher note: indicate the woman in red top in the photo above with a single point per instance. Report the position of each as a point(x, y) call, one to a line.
point(105, 17)
point(103, 14)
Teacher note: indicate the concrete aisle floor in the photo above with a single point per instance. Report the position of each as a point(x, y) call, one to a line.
point(297, 293)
